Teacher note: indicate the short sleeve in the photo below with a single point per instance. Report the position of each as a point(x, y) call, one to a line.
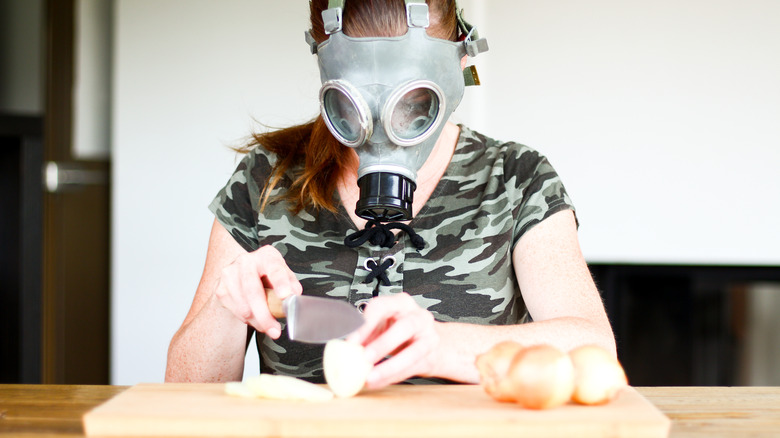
point(538, 190)
point(235, 205)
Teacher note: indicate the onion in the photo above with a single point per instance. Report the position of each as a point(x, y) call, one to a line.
point(493, 366)
point(239, 389)
point(279, 387)
point(345, 367)
point(541, 377)
point(598, 375)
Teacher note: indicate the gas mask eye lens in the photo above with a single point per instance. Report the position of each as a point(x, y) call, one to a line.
point(415, 111)
point(342, 114)
point(345, 114)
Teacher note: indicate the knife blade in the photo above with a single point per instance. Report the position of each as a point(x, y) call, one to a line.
point(314, 320)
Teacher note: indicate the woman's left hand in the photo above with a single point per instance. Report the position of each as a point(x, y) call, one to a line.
point(398, 329)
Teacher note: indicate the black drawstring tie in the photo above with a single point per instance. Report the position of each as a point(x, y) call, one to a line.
point(378, 271)
point(382, 235)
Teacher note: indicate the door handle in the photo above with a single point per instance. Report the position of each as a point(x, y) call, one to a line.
point(60, 177)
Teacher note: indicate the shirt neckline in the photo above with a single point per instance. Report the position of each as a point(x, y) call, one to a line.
point(346, 220)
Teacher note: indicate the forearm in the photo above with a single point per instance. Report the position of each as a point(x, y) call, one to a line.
point(460, 343)
point(209, 348)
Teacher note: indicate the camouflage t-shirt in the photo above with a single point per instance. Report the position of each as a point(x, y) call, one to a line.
point(490, 194)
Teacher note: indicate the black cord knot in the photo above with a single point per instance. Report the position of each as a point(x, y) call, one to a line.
point(417, 241)
point(382, 235)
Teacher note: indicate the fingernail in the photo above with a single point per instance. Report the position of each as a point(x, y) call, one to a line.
point(274, 332)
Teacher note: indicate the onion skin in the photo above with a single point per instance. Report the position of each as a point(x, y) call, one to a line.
point(541, 377)
point(493, 366)
point(598, 375)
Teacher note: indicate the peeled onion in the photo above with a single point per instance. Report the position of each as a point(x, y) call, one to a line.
point(493, 366)
point(598, 375)
point(345, 367)
point(541, 377)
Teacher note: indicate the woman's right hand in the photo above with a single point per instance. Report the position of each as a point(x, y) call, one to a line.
point(243, 285)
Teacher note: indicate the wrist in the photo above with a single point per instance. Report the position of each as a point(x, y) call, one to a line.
point(452, 359)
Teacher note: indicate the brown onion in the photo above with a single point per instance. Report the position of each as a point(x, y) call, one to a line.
point(493, 366)
point(598, 375)
point(541, 377)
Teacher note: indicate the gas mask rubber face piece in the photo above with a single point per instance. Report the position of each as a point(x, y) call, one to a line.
point(389, 99)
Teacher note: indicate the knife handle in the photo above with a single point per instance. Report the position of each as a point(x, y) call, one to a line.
point(274, 304)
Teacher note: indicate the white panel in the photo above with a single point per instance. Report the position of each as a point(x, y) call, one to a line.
point(662, 117)
point(191, 78)
point(92, 87)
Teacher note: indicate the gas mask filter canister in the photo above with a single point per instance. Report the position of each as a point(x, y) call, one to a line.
point(389, 98)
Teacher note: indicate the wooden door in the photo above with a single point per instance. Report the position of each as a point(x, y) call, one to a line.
point(75, 229)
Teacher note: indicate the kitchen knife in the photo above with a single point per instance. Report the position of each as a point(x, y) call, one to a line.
point(313, 319)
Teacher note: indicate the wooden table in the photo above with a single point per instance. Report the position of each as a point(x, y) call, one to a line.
point(56, 410)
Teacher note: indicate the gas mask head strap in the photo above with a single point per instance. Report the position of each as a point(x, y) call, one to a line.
point(474, 44)
point(416, 16)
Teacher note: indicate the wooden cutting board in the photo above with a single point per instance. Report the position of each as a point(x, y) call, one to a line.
point(396, 411)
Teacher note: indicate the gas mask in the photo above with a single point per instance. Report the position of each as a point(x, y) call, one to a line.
point(389, 99)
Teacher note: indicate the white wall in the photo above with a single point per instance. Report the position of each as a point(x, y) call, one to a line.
point(92, 79)
point(190, 77)
point(661, 116)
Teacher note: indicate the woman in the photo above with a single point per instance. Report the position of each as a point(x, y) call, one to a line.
point(490, 253)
